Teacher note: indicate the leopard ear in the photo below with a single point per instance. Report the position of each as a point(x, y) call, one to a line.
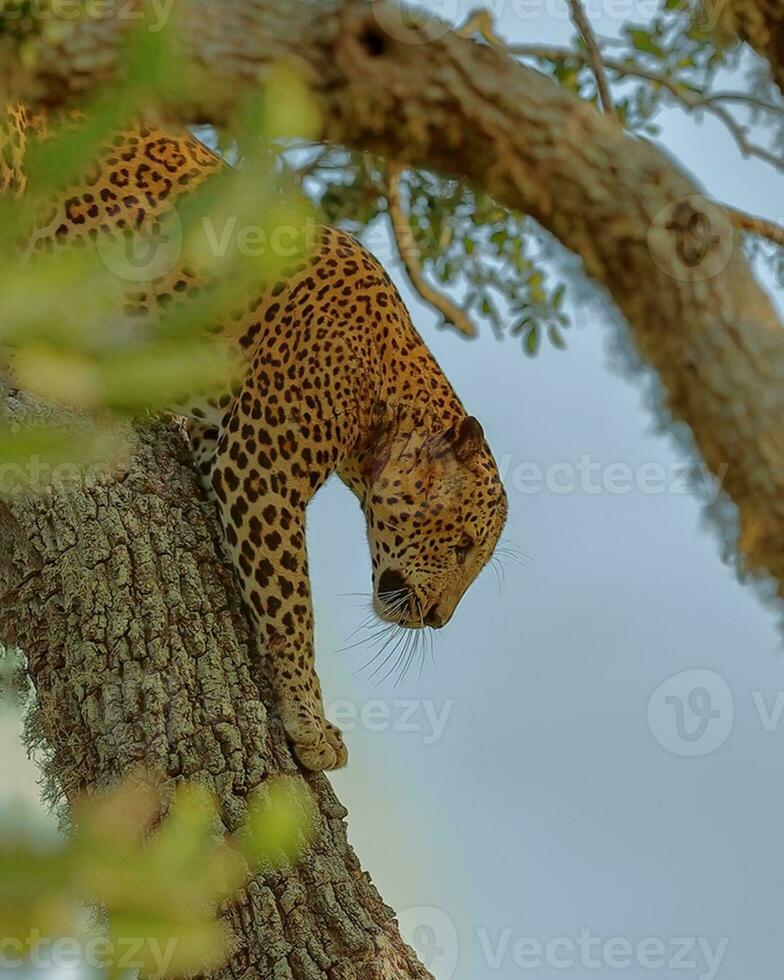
point(468, 438)
point(460, 441)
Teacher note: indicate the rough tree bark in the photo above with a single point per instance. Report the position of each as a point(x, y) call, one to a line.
point(430, 98)
point(140, 654)
point(760, 23)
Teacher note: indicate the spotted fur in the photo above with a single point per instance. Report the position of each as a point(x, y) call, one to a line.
point(334, 378)
point(13, 149)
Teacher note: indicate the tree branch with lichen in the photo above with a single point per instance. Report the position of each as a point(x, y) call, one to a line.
point(681, 91)
point(409, 255)
point(594, 56)
point(481, 22)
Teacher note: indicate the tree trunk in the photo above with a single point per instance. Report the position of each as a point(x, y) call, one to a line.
point(141, 655)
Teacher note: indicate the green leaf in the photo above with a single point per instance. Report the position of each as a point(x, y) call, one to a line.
point(556, 339)
point(644, 41)
point(280, 821)
point(531, 341)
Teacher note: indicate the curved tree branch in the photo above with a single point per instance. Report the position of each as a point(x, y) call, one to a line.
point(481, 22)
point(711, 102)
point(409, 255)
point(759, 227)
point(594, 55)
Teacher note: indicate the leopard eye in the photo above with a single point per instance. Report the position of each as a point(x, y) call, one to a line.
point(462, 550)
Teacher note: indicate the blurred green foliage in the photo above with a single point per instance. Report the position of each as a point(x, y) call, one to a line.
point(155, 861)
point(152, 858)
point(159, 881)
point(70, 329)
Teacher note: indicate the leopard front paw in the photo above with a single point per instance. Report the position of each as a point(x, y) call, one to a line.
point(317, 743)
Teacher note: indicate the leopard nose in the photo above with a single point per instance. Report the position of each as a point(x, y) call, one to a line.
point(433, 618)
point(392, 585)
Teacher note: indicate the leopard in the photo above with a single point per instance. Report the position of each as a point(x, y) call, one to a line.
point(332, 377)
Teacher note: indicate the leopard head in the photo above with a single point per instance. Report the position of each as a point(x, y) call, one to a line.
point(435, 509)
